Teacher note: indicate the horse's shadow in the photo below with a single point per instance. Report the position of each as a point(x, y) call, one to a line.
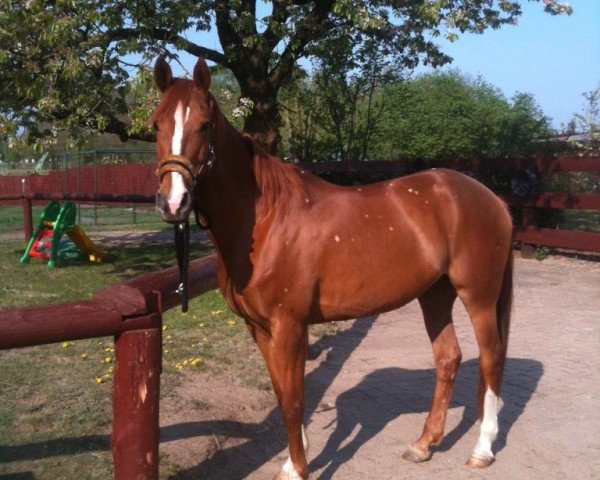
point(381, 397)
point(364, 410)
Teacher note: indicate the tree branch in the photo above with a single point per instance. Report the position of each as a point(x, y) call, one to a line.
point(278, 16)
point(120, 129)
point(118, 34)
point(197, 50)
point(227, 35)
point(310, 29)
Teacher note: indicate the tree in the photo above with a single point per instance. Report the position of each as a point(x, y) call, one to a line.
point(66, 64)
point(449, 116)
point(588, 121)
point(525, 124)
point(343, 92)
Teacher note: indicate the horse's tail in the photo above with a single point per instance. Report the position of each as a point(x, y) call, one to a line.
point(504, 305)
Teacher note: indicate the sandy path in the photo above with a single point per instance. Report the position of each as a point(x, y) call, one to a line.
point(369, 388)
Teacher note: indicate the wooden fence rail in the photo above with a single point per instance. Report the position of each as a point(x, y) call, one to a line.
point(132, 312)
point(527, 232)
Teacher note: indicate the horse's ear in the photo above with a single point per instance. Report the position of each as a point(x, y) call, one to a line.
point(202, 74)
point(163, 76)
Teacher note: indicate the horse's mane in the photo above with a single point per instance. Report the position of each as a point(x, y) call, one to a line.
point(279, 183)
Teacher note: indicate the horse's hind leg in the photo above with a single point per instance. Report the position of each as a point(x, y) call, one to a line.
point(489, 309)
point(492, 356)
point(437, 304)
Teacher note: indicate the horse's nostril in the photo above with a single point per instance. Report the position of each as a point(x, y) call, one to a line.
point(159, 201)
point(185, 201)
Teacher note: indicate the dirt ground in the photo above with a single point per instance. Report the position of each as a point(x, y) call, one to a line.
point(369, 388)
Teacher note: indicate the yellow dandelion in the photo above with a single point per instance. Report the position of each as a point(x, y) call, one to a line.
point(231, 322)
point(110, 369)
point(165, 351)
point(201, 325)
point(65, 344)
point(216, 312)
point(99, 380)
point(84, 356)
point(164, 328)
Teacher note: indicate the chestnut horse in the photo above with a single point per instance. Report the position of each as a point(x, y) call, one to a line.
point(294, 250)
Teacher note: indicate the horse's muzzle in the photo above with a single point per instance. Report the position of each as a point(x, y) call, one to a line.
point(175, 205)
point(174, 211)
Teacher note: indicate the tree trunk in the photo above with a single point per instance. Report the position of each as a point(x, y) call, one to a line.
point(264, 121)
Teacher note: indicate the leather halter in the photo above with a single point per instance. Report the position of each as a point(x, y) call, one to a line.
point(181, 165)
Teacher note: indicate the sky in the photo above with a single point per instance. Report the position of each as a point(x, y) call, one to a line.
point(555, 58)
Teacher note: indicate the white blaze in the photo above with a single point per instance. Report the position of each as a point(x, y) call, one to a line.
point(178, 132)
point(177, 185)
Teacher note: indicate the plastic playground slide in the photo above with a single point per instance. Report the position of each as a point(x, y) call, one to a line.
point(55, 222)
point(83, 242)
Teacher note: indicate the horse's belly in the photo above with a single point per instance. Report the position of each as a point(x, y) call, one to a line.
point(375, 283)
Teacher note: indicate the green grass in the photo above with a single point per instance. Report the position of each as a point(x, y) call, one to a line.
point(90, 218)
point(55, 411)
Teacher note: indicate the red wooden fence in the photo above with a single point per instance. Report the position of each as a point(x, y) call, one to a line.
point(527, 232)
point(111, 180)
point(132, 312)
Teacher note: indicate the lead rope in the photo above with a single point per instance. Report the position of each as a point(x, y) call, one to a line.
point(182, 249)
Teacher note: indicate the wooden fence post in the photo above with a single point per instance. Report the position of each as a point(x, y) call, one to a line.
point(27, 217)
point(527, 219)
point(136, 391)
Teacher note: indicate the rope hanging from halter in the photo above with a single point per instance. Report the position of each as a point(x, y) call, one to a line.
point(182, 249)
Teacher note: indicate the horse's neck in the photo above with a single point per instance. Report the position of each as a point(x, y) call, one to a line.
point(242, 196)
point(247, 179)
point(228, 194)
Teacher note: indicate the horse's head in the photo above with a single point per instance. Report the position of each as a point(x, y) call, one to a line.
point(184, 137)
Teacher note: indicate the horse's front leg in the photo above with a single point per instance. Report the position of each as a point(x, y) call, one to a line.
point(284, 350)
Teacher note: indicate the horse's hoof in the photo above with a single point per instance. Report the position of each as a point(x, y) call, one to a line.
point(284, 476)
point(414, 455)
point(480, 462)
